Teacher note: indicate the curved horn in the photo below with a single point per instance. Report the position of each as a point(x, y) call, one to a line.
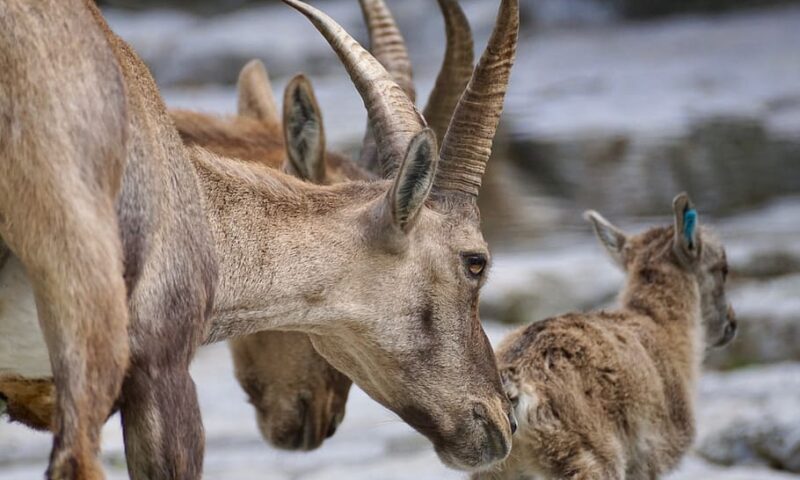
point(455, 72)
point(387, 45)
point(468, 142)
point(391, 114)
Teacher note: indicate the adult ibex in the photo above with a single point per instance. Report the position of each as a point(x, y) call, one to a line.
point(609, 394)
point(299, 398)
point(139, 249)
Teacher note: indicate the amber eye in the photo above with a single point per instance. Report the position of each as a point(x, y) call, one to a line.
point(475, 264)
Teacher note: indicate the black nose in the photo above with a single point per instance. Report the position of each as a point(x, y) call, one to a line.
point(512, 420)
point(730, 329)
point(331, 428)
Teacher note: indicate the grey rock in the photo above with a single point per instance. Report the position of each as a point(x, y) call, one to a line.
point(751, 417)
point(527, 287)
point(695, 468)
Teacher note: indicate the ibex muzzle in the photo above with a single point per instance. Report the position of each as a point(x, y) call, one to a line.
point(421, 258)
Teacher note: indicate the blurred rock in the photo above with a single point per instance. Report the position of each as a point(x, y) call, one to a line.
point(724, 163)
point(190, 49)
point(544, 12)
point(751, 417)
point(527, 287)
point(654, 8)
point(693, 468)
point(618, 118)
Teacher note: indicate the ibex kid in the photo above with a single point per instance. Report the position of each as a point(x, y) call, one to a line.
point(609, 394)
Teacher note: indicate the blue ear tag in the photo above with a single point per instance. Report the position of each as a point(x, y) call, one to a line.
point(689, 223)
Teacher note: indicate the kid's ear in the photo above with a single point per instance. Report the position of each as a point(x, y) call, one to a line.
point(611, 237)
point(686, 242)
point(255, 93)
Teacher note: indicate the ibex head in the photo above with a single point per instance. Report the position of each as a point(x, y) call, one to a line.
point(412, 336)
point(685, 246)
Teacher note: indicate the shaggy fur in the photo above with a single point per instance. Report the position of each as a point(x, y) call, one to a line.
point(609, 394)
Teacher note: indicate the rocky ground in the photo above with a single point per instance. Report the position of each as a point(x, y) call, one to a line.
point(748, 422)
point(610, 116)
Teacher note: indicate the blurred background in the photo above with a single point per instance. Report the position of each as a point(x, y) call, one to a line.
point(615, 105)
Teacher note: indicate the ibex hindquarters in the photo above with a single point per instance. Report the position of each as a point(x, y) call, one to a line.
point(99, 203)
point(63, 128)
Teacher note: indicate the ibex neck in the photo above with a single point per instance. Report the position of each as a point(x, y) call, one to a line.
point(667, 295)
point(671, 299)
point(281, 245)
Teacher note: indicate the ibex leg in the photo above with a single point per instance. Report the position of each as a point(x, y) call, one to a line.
point(161, 419)
point(70, 249)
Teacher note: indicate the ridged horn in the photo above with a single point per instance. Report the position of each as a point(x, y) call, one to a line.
point(455, 72)
point(387, 45)
point(467, 144)
point(391, 114)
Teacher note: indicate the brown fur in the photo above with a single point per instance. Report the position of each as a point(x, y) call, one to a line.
point(609, 394)
point(207, 248)
point(68, 168)
point(306, 397)
point(254, 140)
point(30, 402)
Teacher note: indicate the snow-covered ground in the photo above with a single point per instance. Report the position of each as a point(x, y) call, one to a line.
point(743, 413)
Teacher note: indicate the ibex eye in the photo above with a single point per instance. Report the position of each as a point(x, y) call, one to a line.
point(475, 264)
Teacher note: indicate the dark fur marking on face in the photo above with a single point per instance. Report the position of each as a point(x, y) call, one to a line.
point(427, 319)
point(421, 421)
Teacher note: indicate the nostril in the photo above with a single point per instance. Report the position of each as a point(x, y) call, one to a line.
point(732, 328)
point(512, 420)
point(331, 429)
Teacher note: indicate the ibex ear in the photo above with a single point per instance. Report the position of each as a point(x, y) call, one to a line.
point(414, 179)
point(303, 131)
point(255, 93)
point(686, 242)
point(612, 238)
